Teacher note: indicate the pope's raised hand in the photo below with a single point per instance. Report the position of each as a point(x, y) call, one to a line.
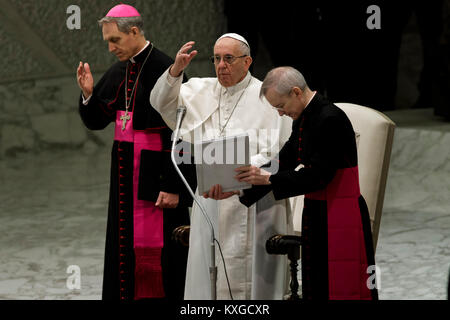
point(183, 58)
point(85, 79)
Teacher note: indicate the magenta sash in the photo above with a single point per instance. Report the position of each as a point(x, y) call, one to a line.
point(347, 259)
point(147, 219)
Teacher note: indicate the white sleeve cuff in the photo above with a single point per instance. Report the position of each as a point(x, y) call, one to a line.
point(172, 80)
point(86, 101)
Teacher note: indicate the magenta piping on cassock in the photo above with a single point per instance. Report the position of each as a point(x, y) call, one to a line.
point(147, 219)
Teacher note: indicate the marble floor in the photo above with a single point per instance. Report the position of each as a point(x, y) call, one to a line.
point(413, 250)
point(53, 208)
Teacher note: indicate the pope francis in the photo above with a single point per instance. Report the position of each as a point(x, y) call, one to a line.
point(229, 104)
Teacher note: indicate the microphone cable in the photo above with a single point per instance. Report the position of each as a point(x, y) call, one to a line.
point(225, 269)
point(182, 110)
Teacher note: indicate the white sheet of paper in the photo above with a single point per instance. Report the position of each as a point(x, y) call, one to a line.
point(216, 160)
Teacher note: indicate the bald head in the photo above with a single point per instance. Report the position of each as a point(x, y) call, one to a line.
point(282, 80)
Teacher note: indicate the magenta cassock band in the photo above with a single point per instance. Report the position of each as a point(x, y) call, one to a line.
point(147, 219)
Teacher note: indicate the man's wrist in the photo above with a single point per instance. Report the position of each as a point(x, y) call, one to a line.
point(173, 74)
point(86, 99)
point(268, 179)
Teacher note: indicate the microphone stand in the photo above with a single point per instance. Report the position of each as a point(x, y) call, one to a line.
point(181, 110)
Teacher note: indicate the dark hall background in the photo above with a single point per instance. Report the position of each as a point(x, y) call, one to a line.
point(54, 172)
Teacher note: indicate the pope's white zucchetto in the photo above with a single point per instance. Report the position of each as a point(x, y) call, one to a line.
point(234, 36)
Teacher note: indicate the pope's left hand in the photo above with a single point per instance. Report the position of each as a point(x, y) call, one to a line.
point(253, 175)
point(167, 200)
point(216, 193)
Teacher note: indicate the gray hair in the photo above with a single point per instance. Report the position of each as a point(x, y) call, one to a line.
point(124, 24)
point(283, 79)
point(245, 50)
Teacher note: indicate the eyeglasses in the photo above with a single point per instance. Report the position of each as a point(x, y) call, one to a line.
point(228, 58)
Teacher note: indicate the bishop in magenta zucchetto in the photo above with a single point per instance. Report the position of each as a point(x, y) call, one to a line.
point(123, 11)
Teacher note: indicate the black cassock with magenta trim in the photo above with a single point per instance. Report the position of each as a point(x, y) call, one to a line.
point(337, 248)
point(141, 260)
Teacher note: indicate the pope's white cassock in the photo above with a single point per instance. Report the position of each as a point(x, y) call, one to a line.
point(242, 232)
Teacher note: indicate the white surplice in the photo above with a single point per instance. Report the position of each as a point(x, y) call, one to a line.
point(242, 232)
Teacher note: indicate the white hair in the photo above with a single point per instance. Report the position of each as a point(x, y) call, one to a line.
point(245, 50)
point(283, 79)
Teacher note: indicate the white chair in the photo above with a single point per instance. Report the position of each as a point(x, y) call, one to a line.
point(374, 134)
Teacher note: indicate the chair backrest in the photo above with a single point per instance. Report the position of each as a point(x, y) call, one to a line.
point(375, 134)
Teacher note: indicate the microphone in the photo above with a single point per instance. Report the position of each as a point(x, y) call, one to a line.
point(181, 111)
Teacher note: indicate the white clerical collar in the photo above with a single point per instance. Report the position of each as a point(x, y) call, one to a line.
point(238, 86)
point(132, 58)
